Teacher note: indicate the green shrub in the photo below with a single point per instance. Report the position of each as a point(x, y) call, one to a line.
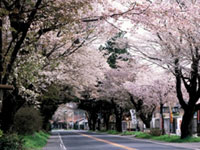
point(1, 133)
point(155, 132)
point(128, 133)
point(113, 132)
point(11, 142)
point(27, 121)
point(142, 135)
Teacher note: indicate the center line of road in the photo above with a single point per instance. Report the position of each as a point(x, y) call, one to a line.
point(108, 142)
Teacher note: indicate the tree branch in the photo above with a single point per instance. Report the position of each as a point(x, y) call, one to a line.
point(1, 47)
point(178, 85)
point(197, 107)
point(185, 83)
point(98, 18)
point(20, 42)
point(133, 101)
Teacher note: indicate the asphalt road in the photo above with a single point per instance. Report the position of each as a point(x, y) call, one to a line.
point(82, 140)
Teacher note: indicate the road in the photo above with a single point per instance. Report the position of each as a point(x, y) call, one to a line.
point(82, 140)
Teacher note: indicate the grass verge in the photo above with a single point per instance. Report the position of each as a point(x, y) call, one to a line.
point(164, 138)
point(36, 141)
point(114, 132)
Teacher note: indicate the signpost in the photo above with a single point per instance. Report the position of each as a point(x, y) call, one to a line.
point(133, 116)
point(198, 122)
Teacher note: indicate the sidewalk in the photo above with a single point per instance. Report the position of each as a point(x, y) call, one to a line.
point(53, 143)
point(193, 145)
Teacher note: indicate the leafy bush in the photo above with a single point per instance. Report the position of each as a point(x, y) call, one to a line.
point(11, 142)
point(155, 132)
point(27, 121)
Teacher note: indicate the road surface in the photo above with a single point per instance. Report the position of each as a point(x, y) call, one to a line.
point(83, 140)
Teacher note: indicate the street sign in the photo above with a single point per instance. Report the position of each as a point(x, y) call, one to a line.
point(6, 87)
point(133, 116)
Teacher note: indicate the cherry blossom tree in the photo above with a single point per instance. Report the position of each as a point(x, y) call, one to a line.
point(23, 23)
point(172, 43)
point(164, 87)
point(143, 99)
point(50, 29)
point(111, 89)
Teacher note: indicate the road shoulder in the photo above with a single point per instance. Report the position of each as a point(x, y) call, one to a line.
point(54, 142)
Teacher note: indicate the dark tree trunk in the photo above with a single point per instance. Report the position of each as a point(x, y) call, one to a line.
point(1, 48)
point(162, 119)
point(7, 115)
point(93, 123)
point(89, 123)
point(118, 115)
point(106, 121)
point(119, 123)
point(11, 104)
point(99, 124)
point(92, 118)
point(145, 120)
point(192, 85)
point(186, 125)
point(145, 116)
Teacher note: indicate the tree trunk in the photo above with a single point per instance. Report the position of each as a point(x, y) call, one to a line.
point(144, 116)
point(118, 116)
point(162, 119)
point(145, 120)
point(7, 114)
point(119, 123)
point(92, 118)
point(93, 124)
point(186, 125)
point(99, 124)
point(11, 104)
point(89, 123)
point(106, 121)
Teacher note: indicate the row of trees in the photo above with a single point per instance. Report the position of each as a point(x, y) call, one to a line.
point(45, 44)
point(35, 36)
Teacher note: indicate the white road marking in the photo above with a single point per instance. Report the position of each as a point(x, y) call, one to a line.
point(61, 143)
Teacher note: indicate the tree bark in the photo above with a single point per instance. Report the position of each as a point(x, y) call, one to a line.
point(118, 116)
point(186, 125)
point(106, 121)
point(119, 123)
point(1, 47)
point(145, 120)
point(94, 120)
point(89, 123)
point(11, 104)
point(193, 89)
point(162, 119)
point(143, 114)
